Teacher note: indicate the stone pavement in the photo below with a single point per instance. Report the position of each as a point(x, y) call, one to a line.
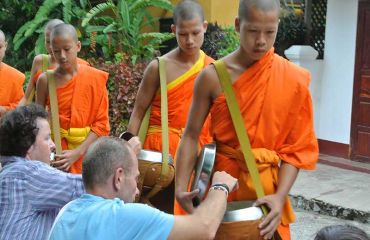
point(336, 192)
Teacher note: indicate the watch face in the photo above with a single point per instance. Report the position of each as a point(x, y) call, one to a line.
point(126, 136)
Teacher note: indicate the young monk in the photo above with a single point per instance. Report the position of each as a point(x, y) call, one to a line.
point(182, 66)
point(11, 81)
point(42, 60)
point(275, 103)
point(82, 99)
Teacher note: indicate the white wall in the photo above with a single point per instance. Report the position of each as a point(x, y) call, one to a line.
point(338, 72)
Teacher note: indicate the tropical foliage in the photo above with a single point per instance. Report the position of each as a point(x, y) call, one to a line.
point(69, 11)
point(124, 80)
point(220, 41)
point(117, 27)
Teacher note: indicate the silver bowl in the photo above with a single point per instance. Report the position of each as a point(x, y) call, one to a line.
point(203, 171)
point(242, 211)
point(153, 156)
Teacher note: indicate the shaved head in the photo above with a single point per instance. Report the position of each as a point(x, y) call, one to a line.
point(263, 5)
point(2, 36)
point(52, 23)
point(187, 10)
point(64, 30)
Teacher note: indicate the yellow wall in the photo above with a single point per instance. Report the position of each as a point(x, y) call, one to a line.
point(221, 11)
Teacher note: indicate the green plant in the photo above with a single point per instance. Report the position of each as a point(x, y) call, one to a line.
point(13, 13)
point(292, 30)
point(229, 43)
point(220, 41)
point(67, 10)
point(116, 27)
point(123, 83)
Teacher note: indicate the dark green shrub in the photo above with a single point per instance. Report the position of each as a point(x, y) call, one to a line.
point(124, 80)
point(220, 41)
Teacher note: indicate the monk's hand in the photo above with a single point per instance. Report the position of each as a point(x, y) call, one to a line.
point(185, 199)
point(65, 160)
point(135, 144)
point(271, 222)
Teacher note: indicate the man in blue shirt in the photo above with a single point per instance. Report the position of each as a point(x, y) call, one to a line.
point(110, 173)
point(31, 192)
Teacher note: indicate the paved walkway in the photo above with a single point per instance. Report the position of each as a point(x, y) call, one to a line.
point(337, 188)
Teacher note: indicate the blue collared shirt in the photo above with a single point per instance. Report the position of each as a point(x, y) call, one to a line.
point(94, 218)
point(31, 195)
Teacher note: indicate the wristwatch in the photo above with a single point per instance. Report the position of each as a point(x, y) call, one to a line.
point(220, 186)
point(126, 136)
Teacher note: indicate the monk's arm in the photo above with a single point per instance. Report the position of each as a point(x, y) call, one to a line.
point(204, 222)
point(144, 97)
point(187, 151)
point(42, 90)
point(299, 151)
point(36, 64)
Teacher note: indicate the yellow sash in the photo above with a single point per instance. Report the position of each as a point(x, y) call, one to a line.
point(74, 136)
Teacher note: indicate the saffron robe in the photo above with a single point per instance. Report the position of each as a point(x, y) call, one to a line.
point(275, 103)
point(180, 95)
point(11, 86)
point(83, 106)
point(39, 72)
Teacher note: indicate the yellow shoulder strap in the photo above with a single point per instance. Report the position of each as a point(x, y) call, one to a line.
point(55, 125)
point(238, 123)
point(164, 122)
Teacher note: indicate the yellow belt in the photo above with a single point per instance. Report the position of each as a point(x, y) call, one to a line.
point(75, 136)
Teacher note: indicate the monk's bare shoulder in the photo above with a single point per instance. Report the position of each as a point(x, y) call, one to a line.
point(151, 75)
point(42, 80)
point(208, 82)
point(37, 62)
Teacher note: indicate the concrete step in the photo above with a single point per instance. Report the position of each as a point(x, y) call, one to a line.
point(334, 191)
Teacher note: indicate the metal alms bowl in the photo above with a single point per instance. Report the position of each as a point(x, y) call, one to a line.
point(203, 171)
point(153, 156)
point(242, 211)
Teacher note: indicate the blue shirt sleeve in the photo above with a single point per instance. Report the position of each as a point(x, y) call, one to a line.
point(49, 188)
point(139, 221)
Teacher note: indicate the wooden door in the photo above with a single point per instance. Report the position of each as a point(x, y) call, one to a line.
point(360, 129)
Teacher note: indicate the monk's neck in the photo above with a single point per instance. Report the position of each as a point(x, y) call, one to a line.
point(243, 60)
point(70, 71)
point(187, 58)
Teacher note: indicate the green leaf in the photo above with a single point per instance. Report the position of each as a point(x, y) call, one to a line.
point(67, 10)
point(98, 9)
point(40, 44)
point(110, 28)
point(93, 28)
point(124, 12)
point(139, 5)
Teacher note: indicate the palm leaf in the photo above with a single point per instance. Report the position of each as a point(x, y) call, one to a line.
point(139, 5)
point(98, 9)
point(40, 44)
point(110, 28)
point(124, 12)
point(19, 36)
point(41, 15)
point(67, 10)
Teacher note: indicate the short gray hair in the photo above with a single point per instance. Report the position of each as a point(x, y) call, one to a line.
point(103, 157)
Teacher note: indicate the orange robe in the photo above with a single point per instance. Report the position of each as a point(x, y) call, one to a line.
point(39, 72)
point(11, 86)
point(180, 95)
point(83, 102)
point(275, 103)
